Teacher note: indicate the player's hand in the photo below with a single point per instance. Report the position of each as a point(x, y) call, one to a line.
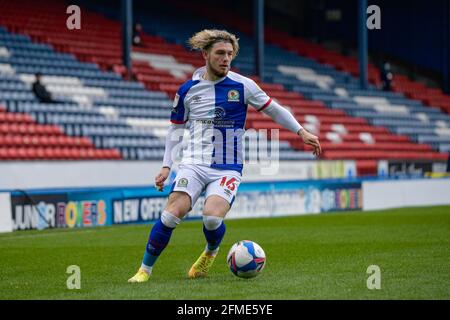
point(312, 140)
point(161, 177)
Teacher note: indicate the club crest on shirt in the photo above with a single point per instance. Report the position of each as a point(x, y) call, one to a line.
point(233, 96)
point(175, 103)
point(183, 182)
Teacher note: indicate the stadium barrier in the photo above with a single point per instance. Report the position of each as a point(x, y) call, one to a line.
point(405, 193)
point(409, 168)
point(300, 170)
point(74, 174)
point(102, 206)
point(70, 208)
point(5, 212)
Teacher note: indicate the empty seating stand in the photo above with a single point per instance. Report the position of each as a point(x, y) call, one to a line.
point(317, 86)
point(93, 100)
point(21, 138)
point(366, 125)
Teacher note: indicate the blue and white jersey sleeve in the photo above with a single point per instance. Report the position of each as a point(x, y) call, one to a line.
point(255, 96)
point(180, 110)
point(180, 113)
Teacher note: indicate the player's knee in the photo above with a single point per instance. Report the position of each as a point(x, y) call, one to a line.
point(170, 220)
point(179, 204)
point(211, 222)
point(176, 211)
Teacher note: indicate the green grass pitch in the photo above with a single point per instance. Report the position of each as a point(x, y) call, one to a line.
point(322, 256)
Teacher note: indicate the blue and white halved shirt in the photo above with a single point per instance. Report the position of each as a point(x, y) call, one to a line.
point(215, 113)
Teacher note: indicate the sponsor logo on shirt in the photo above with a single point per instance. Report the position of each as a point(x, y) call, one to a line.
point(233, 96)
point(219, 112)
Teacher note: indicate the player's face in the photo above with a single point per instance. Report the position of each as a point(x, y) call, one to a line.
point(218, 58)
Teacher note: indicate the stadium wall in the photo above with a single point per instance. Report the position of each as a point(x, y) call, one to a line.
point(5, 212)
point(103, 206)
point(405, 193)
point(75, 208)
point(73, 174)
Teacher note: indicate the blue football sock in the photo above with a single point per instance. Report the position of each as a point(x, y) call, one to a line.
point(157, 241)
point(214, 237)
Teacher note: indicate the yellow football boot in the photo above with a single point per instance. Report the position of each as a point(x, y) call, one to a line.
point(201, 267)
point(140, 276)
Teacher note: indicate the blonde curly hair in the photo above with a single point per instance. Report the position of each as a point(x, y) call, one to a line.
point(205, 39)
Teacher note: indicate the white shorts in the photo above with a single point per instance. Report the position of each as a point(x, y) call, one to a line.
point(193, 179)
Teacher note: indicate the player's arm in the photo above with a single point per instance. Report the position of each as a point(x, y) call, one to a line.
point(284, 118)
point(256, 97)
point(173, 138)
point(178, 119)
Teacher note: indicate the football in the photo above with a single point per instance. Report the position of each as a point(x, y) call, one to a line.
point(246, 259)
